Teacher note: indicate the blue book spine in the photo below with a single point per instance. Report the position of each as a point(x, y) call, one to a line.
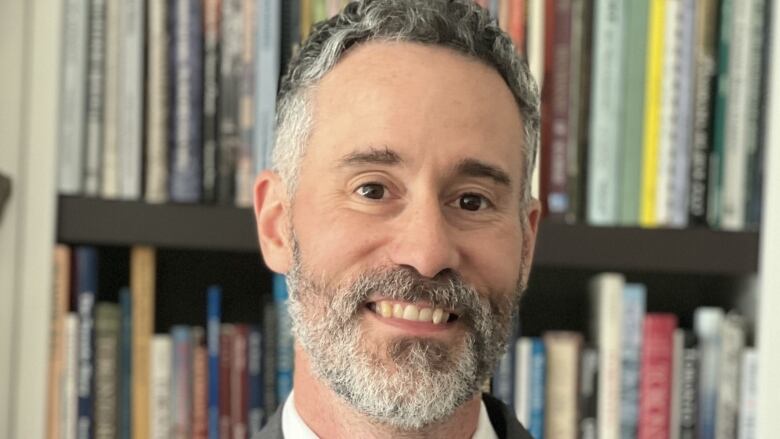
point(269, 18)
point(634, 297)
point(86, 293)
point(504, 378)
point(538, 387)
point(214, 317)
point(187, 65)
point(181, 381)
point(284, 340)
point(125, 362)
point(255, 381)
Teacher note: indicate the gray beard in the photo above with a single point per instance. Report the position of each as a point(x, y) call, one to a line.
point(408, 383)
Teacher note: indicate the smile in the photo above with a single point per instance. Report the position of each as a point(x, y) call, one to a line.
point(411, 312)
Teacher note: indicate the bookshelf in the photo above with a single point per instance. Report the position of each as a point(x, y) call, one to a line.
point(36, 217)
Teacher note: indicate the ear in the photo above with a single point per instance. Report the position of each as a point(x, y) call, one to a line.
point(533, 214)
point(271, 219)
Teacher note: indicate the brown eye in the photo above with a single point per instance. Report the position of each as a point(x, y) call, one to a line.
point(472, 202)
point(373, 191)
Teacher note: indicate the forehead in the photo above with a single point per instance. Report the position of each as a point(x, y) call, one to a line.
point(424, 101)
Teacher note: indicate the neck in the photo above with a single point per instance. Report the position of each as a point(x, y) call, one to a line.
point(328, 416)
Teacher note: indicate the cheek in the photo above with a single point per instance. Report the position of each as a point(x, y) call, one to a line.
point(497, 260)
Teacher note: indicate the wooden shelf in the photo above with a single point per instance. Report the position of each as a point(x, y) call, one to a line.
point(227, 228)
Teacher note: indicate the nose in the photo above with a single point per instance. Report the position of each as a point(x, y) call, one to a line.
point(425, 241)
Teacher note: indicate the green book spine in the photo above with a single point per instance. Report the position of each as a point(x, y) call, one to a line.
point(721, 106)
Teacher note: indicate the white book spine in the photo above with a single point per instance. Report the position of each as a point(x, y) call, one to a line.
point(130, 98)
point(523, 380)
point(72, 97)
point(535, 49)
point(156, 190)
point(95, 97)
point(733, 338)
point(607, 297)
point(748, 390)
point(160, 392)
point(109, 181)
point(69, 403)
point(266, 78)
point(735, 154)
point(678, 348)
point(707, 322)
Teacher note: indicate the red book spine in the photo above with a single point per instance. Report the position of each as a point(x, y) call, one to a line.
point(655, 386)
point(239, 381)
point(517, 23)
point(199, 392)
point(225, 368)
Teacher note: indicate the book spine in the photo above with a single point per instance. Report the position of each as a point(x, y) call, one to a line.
point(607, 298)
point(255, 381)
point(656, 378)
point(73, 97)
point(269, 358)
point(634, 297)
point(708, 323)
point(284, 340)
point(186, 149)
point(69, 402)
point(266, 80)
point(558, 27)
point(538, 384)
point(95, 96)
point(200, 366)
point(239, 403)
point(635, 53)
point(704, 71)
point(689, 388)
point(604, 156)
point(226, 334)
point(125, 363)
point(107, 327)
point(536, 43)
point(160, 389)
point(652, 113)
point(211, 17)
point(522, 394)
point(157, 103)
point(503, 379)
point(588, 395)
point(563, 351)
point(581, 20)
point(142, 286)
point(517, 24)
point(86, 293)
point(733, 342)
point(230, 74)
point(56, 377)
point(214, 317)
point(748, 388)
point(109, 168)
point(715, 181)
point(245, 166)
point(131, 85)
point(678, 350)
point(181, 382)
point(290, 30)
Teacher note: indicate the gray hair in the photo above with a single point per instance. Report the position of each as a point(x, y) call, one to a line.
point(461, 25)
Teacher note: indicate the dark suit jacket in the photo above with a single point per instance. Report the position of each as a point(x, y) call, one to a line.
point(501, 417)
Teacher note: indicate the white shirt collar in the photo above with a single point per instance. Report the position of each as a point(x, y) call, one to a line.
point(294, 427)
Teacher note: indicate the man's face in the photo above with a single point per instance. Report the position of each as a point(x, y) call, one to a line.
point(410, 250)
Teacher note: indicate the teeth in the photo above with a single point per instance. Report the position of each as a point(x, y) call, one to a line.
point(411, 312)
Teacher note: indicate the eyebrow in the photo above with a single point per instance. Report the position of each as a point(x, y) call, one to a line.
point(466, 167)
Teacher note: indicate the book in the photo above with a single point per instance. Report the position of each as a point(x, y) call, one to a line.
point(245, 166)
point(284, 340)
point(124, 423)
point(604, 155)
point(748, 390)
point(634, 65)
point(107, 333)
point(73, 92)
point(181, 398)
point(503, 383)
point(95, 97)
point(230, 77)
point(214, 317)
point(733, 342)
point(86, 287)
point(142, 287)
point(211, 38)
point(654, 60)
point(239, 382)
point(563, 351)
point(109, 166)
point(186, 59)
point(256, 413)
point(689, 386)
point(538, 385)
point(588, 396)
point(606, 292)
point(707, 324)
point(270, 400)
point(130, 98)
point(656, 376)
point(57, 359)
point(634, 298)
point(226, 358)
point(675, 397)
point(267, 71)
point(156, 104)
point(522, 394)
point(200, 384)
point(69, 403)
point(160, 386)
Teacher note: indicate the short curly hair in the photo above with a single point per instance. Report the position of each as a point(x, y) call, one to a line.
point(461, 25)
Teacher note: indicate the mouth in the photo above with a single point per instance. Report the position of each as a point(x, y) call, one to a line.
point(419, 312)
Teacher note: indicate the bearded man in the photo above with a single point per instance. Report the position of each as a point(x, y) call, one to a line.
point(399, 208)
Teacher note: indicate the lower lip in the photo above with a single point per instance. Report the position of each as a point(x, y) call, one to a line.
point(412, 327)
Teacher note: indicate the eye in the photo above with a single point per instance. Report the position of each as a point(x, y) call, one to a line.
point(373, 191)
point(473, 202)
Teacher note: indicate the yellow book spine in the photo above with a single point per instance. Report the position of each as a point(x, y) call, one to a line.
point(306, 18)
point(651, 135)
point(142, 287)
